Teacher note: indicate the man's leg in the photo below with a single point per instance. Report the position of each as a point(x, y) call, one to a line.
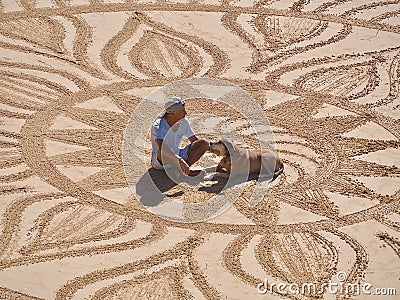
point(196, 150)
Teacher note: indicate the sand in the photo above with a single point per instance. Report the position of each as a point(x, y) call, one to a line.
point(81, 81)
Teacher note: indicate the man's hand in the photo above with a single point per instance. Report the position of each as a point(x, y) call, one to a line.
point(184, 166)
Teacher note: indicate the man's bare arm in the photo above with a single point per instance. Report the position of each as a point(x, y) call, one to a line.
point(166, 153)
point(171, 157)
point(193, 138)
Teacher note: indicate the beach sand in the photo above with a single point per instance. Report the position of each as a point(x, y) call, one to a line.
point(77, 77)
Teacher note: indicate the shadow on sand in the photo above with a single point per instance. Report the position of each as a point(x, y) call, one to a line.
point(154, 185)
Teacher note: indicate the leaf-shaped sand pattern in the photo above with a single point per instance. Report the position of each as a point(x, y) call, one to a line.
point(280, 31)
point(298, 257)
point(43, 31)
point(352, 81)
point(276, 38)
point(72, 223)
point(164, 284)
point(160, 52)
point(158, 55)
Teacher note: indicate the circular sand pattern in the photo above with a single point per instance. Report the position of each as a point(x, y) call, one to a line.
point(326, 76)
point(134, 150)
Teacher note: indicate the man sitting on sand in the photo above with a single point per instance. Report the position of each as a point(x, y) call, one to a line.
point(166, 135)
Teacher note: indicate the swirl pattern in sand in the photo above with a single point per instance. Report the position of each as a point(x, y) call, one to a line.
point(326, 74)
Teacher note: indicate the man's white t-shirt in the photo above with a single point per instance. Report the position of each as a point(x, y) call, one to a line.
point(162, 131)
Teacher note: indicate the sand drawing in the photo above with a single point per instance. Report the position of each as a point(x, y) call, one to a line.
point(326, 77)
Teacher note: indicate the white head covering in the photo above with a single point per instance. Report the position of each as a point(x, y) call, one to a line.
point(174, 104)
